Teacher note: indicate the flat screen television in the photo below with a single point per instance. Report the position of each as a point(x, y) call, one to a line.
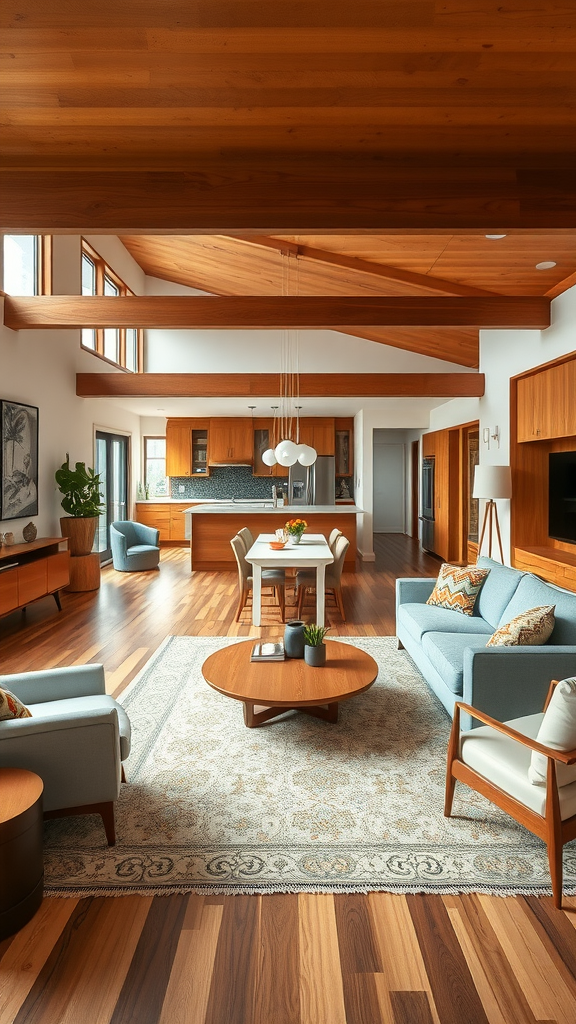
point(562, 496)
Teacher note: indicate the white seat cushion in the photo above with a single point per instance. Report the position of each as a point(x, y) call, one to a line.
point(80, 705)
point(505, 763)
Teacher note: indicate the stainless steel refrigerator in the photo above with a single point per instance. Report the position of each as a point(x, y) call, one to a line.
point(313, 485)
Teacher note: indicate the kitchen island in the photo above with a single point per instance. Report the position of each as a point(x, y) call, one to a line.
point(213, 526)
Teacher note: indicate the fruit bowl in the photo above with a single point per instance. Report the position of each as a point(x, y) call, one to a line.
point(277, 545)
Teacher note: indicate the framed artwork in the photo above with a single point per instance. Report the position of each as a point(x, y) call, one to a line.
point(18, 460)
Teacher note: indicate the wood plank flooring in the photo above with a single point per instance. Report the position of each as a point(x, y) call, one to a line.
point(280, 959)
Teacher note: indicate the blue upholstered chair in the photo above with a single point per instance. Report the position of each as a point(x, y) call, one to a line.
point(75, 741)
point(134, 546)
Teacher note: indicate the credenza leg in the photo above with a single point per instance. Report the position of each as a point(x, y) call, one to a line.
point(56, 597)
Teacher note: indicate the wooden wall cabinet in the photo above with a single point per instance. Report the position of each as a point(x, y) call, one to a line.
point(230, 440)
point(545, 403)
point(31, 571)
point(318, 431)
point(263, 439)
point(450, 449)
point(178, 448)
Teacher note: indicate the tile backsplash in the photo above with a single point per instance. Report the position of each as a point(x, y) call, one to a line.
point(225, 482)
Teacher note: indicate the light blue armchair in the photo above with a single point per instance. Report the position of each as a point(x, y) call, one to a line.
point(75, 741)
point(134, 546)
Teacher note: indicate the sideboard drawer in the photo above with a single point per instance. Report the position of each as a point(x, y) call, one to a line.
point(32, 581)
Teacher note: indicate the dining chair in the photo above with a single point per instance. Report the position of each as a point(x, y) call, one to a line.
point(270, 578)
point(527, 767)
point(334, 534)
point(306, 578)
point(247, 537)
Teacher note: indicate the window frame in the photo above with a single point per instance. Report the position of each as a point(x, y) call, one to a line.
point(103, 270)
point(42, 260)
point(145, 439)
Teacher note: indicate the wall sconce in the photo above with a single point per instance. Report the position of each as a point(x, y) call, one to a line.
point(488, 433)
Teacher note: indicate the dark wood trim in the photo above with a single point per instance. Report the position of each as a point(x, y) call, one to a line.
point(415, 485)
point(263, 385)
point(294, 194)
point(179, 312)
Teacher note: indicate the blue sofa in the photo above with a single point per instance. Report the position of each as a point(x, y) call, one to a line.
point(450, 648)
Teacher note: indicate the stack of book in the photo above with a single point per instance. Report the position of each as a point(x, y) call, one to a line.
point(268, 651)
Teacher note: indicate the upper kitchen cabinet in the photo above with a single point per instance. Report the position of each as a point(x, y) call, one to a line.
point(263, 440)
point(178, 448)
point(343, 433)
point(545, 403)
point(318, 431)
point(186, 447)
point(231, 442)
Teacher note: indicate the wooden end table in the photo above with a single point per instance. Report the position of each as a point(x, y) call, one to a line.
point(290, 685)
point(21, 858)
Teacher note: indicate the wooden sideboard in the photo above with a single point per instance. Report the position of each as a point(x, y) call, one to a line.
point(31, 571)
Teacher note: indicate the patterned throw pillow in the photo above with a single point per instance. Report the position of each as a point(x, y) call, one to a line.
point(457, 587)
point(11, 707)
point(528, 629)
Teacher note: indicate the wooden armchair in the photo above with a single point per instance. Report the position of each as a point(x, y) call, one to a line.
point(497, 767)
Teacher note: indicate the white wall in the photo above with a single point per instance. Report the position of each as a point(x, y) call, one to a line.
point(39, 368)
point(504, 354)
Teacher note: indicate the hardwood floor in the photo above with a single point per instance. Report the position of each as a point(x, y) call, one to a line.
point(281, 959)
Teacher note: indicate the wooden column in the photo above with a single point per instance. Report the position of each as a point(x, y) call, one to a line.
point(84, 572)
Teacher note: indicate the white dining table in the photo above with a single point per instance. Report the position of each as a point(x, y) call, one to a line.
point(311, 553)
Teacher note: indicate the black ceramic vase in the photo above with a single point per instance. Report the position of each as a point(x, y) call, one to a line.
point(294, 639)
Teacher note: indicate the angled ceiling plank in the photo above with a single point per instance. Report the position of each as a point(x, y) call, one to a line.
point(452, 345)
point(422, 282)
point(179, 312)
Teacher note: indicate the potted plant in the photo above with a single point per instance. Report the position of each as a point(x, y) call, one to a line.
point(314, 646)
point(295, 528)
point(83, 503)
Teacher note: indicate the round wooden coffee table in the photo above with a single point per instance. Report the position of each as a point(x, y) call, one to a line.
point(290, 685)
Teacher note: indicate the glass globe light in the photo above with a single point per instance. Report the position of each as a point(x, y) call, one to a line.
point(286, 453)
point(268, 457)
point(307, 455)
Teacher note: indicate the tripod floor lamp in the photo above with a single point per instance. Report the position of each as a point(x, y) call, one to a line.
point(492, 482)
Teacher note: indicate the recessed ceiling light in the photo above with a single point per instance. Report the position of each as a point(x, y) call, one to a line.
point(546, 265)
point(494, 236)
point(160, 410)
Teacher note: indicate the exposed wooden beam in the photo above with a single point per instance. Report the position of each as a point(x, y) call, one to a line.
point(267, 385)
point(561, 286)
point(179, 312)
point(454, 346)
point(328, 193)
point(430, 285)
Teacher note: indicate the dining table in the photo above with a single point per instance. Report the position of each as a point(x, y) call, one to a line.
point(312, 552)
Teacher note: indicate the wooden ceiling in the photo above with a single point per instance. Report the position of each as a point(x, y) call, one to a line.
point(384, 138)
point(221, 115)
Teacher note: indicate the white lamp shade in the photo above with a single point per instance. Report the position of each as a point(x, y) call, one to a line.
point(268, 457)
point(492, 482)
point(306, 455)
point(286, 453)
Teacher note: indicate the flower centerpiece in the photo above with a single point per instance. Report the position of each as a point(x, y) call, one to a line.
point(295, 528)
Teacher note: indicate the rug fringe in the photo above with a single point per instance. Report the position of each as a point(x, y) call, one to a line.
point(335, 890)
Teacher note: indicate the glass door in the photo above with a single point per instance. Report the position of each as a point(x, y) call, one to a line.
point(112, 464)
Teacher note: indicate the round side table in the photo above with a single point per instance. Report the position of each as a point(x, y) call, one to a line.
point(21, 859)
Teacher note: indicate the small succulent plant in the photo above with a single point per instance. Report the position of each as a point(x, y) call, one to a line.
point(314, 635)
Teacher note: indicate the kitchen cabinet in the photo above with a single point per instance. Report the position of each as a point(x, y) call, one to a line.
point(318, 431)
point(343, 436)
point(186, 447)
point(230, 440)
point(263, 439)
point(167, 517)
point(545, 403)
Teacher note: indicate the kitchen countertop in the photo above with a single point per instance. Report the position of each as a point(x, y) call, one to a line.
point(180, 501)
point(290, 510)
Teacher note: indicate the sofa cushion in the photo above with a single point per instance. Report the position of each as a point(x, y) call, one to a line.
point(457, 587)
point(529, 629)
point(83, 705)
point(445, 652)
point(532, 592)
point(12, 707)
point(498, 590)
point(557, 730)
point(418, 619)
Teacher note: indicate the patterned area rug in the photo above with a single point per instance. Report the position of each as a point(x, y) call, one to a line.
point(296, 805)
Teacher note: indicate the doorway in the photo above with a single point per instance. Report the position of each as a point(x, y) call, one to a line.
point(389, 488)
point(111, 462)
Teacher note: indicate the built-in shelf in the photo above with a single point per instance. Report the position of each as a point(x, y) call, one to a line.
point(556, 566)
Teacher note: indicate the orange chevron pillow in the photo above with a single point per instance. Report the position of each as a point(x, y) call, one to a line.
point(457, 587)
point(11, 707)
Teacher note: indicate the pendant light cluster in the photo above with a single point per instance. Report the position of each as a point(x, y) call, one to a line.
point(288, 452)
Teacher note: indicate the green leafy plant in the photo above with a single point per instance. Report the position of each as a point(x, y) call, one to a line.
point(81, 490)
point(314, 635)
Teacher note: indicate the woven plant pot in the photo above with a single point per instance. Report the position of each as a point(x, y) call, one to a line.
point(80, 533)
